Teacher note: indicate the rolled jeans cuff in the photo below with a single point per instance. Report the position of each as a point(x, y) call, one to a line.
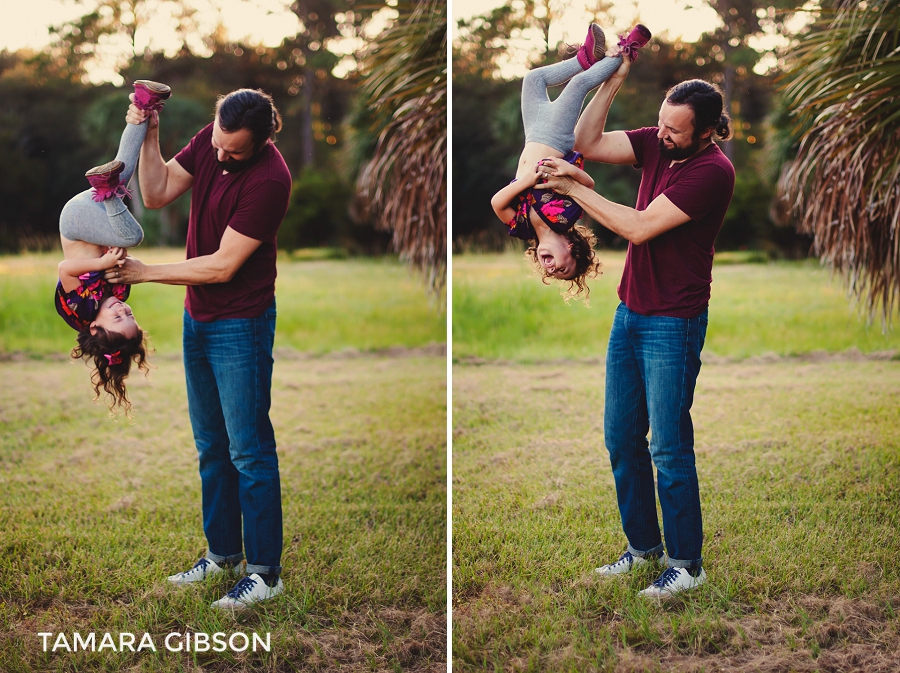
point(232, 560)
point(689, 565)
point(262, 570)
point(656, 552)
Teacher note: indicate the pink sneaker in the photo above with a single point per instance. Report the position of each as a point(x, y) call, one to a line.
point(594, 47)
point(637, 38)
point(150, 95)
point(105, 181)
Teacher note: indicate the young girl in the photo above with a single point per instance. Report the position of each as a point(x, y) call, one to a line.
point(559, 248)
point(96, 229)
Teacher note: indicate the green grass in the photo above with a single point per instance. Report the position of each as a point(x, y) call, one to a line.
point(323, 306)
point(501, 310)
point(799, 468)
point(97, 512)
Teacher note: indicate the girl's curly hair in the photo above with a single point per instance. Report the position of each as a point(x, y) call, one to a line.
point(112, 354)
point(587, 265)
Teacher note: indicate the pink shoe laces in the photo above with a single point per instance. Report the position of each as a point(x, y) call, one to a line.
point(99, 194)
point(631, 43)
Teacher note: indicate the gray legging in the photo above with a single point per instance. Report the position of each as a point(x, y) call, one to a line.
point(108, 222)
point(553, 122)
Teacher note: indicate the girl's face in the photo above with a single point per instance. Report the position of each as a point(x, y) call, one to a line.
point(115, 316)
point(555, 255)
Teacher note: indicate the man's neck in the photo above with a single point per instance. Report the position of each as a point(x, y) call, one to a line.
point(702, 147)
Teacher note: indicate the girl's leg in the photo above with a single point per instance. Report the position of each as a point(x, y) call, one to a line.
point(563, 113)
point(120, 217)
point(130, 149)
point(555, 124)
point(534, 91)
point(83, 219)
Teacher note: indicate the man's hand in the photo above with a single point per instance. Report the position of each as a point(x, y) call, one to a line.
point(562, 184)
point(130, 272)
point(137, 116)
point(622, 72)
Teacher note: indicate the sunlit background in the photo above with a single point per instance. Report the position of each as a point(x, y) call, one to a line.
point(672, 20)
point(28, 25)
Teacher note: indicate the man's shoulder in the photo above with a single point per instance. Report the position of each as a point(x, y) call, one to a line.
point(714, 160)
point(204, 135)
point(273, 166)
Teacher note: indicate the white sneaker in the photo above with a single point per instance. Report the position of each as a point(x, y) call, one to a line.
point(626, 562)
point(672, 581)
point(202, 569)
point(248, 590)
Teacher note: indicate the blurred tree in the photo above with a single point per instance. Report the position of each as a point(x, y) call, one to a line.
point(43, 155)
point(403, 187)
point(844, 185)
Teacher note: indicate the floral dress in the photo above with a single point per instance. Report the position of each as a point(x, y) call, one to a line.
point(80, 306)
point(558, 211)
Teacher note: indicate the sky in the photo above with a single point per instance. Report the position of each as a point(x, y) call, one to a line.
point(25, 22)
point(678, 18)
point(265, 22)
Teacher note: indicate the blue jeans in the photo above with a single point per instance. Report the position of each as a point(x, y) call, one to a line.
point(228, 367)
point(651, 369)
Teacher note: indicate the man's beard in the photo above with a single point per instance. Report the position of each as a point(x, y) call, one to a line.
point(679, 153)
point(234, 166)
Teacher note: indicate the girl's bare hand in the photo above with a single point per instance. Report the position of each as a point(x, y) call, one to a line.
point(554, 168)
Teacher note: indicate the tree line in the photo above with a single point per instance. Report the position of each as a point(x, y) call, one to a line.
point(55, 124)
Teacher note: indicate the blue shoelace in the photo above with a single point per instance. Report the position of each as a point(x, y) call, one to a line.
point(668, 577)
point(243, 586)
point(202, 563)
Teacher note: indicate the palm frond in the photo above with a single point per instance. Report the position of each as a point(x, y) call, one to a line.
point(843, 186)
point(404, 184)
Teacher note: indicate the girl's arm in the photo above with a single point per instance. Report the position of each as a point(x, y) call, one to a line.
point(70, 269)
point(558, 168)
point(502, 201)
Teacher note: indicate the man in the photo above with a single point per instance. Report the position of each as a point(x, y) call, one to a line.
point(659, 328)
point(241, 187)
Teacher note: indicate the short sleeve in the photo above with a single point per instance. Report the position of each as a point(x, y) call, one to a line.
point(638, 140)
point(700, 190)
point(187, 157)
point(261, 209)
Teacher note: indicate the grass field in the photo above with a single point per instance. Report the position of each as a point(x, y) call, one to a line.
point(96, 512)
point(799, 467)
point(323, 306)
point(798, 454)
point(501, 310)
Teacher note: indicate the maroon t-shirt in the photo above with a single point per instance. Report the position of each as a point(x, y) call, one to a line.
point(253, 203)
point(670, 275)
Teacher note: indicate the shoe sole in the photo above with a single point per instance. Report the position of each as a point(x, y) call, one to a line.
point(599, 41)
point(160, 89)
point(109, 168)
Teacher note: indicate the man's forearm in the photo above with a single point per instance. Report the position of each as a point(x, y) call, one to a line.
point(203, 270)
point(622, 220)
